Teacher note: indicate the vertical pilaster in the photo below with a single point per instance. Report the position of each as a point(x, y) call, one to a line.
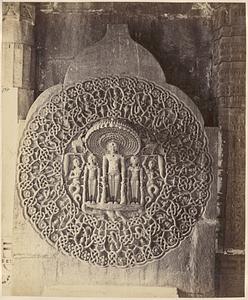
point(229, 91)
point(17, 96)
point(18, 52)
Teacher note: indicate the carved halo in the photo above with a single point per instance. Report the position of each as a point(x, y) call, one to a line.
point(108, 130)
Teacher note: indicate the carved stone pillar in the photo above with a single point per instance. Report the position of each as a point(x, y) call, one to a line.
point(229, 91)
point(17, 96)
point(18, 52)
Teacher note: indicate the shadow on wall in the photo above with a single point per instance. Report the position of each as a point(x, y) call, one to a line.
point(178, 35)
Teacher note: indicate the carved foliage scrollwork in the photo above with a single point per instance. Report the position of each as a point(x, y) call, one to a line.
point(165, 186)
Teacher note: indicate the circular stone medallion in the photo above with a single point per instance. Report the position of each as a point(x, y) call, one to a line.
point(114, 171)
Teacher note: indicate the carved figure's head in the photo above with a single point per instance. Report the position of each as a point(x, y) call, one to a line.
point(112, 147)
point(134, 160)
point(92, 159)
point(76, 162)
point(151, 164)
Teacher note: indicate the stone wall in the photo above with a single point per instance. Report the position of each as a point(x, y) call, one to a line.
point(229, 93)
point(18, 66)
point(178, 35)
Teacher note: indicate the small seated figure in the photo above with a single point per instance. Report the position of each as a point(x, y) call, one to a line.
point(113, 175)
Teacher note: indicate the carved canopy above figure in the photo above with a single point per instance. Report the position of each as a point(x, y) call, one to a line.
point(114, 170)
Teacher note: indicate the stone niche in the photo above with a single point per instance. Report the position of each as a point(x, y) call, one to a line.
point(117, 175)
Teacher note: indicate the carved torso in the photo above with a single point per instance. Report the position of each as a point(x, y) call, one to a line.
point(113, 163)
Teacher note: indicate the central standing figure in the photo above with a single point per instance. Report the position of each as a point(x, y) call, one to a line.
point(113, 179)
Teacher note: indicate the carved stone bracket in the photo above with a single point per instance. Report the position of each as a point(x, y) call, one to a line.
point(19, 11)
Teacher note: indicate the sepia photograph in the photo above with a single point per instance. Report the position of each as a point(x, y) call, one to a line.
point(123, 149)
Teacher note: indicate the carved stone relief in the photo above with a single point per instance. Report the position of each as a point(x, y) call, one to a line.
point(114, 171)
point(10, 10)
point(19, 11)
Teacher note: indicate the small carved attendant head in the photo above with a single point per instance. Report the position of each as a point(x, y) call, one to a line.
point(134, 160)
point(151, 164)
point(76, 162)
point(92, 159)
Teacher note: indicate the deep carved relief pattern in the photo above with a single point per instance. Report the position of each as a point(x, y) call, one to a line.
point(114, 171)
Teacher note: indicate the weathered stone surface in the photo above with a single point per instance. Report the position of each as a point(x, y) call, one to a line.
point(233, 120)
point(18, 64)
point(230, 72)
point(179, 38)
point(26, 98)
point(232, 101)
point(18, 52)
point(229, 88)
point(117, 37)
point(228, 49)
point(8, 64)
point(176, 268)
point(19, 11)
point(235, 212)
point(234, 136)
point(7, 262)
point(203, 254)
point(229, 31)
point(167, 272)
point(17, 96)
point(230, 275)
point(13, 32)
point(9, 107)
point(110, 292)
point(213, 141)
point(31, 283)
point(227, 14)
point(38, 247)
point(116, 53)
point(9, 152)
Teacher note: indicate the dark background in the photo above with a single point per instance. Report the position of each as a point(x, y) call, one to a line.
point(178, 35)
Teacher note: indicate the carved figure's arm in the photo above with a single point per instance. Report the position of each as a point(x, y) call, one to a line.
point(83, 162)
point(161, 166)
point(141, 174)
point(98, 171)
point(123, 168)
point(104, 167)
point(144, 164)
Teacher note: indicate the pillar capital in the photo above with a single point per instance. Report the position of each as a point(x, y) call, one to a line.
point(19, 12)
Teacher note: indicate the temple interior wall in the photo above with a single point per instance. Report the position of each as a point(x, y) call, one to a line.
point(201, 51)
